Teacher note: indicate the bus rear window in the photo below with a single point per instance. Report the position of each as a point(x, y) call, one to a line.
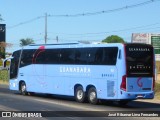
point(139, 60)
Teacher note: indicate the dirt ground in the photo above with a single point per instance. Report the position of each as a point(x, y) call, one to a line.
point(158, 78)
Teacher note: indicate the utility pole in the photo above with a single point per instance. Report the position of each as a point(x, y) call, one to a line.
point(45, 37)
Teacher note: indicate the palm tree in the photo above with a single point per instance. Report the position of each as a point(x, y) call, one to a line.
point(27, 41)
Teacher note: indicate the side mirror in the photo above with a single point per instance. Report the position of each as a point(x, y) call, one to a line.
point(5, 61)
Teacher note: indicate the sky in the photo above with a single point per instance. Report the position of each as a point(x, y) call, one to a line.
point(26, 19)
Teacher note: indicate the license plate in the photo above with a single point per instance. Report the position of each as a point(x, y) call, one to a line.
point(140, 96)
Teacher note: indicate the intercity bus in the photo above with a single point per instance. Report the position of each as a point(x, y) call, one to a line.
point(93, 72)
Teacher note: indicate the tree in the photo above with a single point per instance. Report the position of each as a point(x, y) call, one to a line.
point(27, 41)
point(3, 46)
point(113, 39)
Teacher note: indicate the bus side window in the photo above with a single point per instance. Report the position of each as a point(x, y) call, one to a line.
point(53, 56)
point(98, 56)
point(27, 57)
point(81, 56)
point(77, 56)
point(67, 56)
point(110, 56)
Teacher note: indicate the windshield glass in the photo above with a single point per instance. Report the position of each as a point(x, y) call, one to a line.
point(14, 64)
point(139, 58)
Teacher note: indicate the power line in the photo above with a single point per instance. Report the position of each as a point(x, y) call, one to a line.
point(87, 13)
point(81, 35)
point(120, 30)
point(106, 11)
point(84, 35)
point(28, 21)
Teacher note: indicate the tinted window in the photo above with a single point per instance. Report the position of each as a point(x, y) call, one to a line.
point(110, 55)
point(97, 56)
point(52, 56)
point(84, 56)
point(27, 57)
point(81, 55)
point(67, 56)
point(39, 56)
point(139, 60)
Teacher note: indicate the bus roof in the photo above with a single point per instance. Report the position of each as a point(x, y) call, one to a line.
point(72, 45)
point(78, 45)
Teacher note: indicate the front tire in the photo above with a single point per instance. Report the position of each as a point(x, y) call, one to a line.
point(92, 96)
point(23, 89)
point(79, 94)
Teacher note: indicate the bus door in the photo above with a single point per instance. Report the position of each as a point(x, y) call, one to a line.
point(140, 68)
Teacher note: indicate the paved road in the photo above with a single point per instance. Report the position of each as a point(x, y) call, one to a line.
point(67, 108)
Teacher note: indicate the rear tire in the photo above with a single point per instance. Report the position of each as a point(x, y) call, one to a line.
point(79, 94)
point(92, 96)
point(31, 93)
point(23, 89)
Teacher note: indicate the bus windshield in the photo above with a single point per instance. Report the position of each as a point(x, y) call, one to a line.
point(139, 60)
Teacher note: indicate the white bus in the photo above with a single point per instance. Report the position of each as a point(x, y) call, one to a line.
point(118, 72)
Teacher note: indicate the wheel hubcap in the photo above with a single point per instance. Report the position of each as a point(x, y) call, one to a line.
point(92, 96)
point(80, 94)
point(23, 88)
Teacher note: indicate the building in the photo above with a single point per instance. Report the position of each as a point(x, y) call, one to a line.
point(149, 38)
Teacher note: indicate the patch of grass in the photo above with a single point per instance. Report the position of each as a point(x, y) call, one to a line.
point(157, 91)
point(3, 76)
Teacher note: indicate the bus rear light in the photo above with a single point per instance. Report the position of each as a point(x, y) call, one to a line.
point(123, 83)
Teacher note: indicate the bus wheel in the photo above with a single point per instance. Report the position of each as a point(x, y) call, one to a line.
point(79, 94)
point(92, 96)
point(23, 89)
point(31, 93)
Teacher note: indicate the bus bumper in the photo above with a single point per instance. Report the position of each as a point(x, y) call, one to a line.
point(139, 95)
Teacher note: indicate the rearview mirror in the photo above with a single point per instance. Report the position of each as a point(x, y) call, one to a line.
point(5, 61)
